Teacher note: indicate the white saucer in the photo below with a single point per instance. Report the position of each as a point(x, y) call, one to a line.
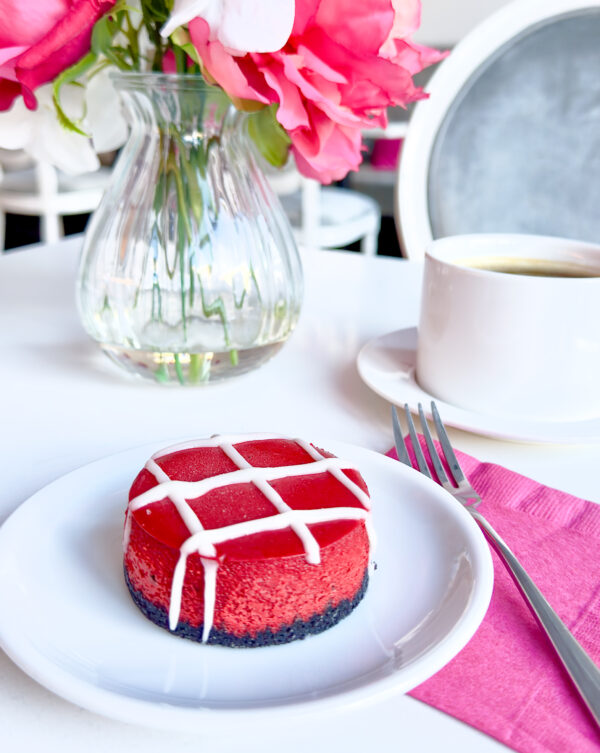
point(68, 621)
point(387, 365)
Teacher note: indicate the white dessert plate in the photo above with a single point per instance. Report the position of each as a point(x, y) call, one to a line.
point(68, 621)
point(387, 363)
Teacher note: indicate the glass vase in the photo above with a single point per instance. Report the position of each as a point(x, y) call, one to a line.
point(189, 272)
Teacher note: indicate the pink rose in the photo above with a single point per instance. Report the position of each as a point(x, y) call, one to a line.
point(41, 38)
point(342, 66)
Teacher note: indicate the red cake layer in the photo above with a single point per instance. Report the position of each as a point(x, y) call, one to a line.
point(264, 580)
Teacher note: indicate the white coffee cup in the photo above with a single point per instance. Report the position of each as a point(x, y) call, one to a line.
point(511, 344)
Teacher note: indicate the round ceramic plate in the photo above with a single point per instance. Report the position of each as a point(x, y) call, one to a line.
point(67, 618)
point(386, 364)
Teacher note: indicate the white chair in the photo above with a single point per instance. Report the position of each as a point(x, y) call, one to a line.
point(509, 139)
point(376, 176)
point(40, 190)
point(326, 216)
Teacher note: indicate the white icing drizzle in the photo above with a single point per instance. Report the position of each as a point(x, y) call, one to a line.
point(127, 530)
point(194, 526)
point(203, 540)
point(210, 596)
point(176, 495)
point(363, 498)
point(195, 489)
point(311, 547)
point(211, 442)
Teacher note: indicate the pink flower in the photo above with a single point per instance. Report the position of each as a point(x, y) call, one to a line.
point(41, 38)
point(342, 66)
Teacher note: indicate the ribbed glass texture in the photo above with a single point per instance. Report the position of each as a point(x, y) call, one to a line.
point(189, 272)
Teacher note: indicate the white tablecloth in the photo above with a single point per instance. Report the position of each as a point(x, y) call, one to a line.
point(64, 404)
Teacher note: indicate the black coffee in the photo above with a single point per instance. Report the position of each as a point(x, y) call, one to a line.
point(533, 267)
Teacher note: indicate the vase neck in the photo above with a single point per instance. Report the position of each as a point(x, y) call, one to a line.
point(184, 102)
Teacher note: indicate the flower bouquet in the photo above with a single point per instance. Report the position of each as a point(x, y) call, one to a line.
point(189, 271)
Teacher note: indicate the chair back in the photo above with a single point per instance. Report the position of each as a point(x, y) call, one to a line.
point(509, 139)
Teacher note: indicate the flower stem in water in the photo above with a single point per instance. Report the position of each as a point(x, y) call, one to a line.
point(178, 369)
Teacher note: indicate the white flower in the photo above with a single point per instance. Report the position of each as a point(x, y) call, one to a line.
point(241, 25)
point(104, 120)
point(39, 133)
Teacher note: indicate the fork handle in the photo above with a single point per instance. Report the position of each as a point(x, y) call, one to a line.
point(582, 670)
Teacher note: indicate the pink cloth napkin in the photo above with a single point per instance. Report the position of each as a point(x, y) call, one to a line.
point(507, 681)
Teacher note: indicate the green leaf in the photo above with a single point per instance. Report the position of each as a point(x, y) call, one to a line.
point(269, 135)
point(181, 38)
point(118, 57)
point(102, 35)
point(69, 76)
point(157, 11)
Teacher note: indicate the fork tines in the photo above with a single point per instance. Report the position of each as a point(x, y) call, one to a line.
point(458, 476)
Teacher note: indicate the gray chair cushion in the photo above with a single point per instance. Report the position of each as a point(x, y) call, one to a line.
point(519, 150)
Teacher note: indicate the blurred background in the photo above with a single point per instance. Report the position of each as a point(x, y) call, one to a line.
point(443, 24)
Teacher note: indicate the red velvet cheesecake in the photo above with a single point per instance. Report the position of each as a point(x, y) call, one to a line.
point(247, 540)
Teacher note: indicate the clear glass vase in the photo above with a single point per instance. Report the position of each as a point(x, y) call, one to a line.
point(189, 271)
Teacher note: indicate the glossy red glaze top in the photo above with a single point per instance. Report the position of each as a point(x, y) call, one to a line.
point(240, 502)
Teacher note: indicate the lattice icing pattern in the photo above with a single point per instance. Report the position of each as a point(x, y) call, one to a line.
point(203, 540)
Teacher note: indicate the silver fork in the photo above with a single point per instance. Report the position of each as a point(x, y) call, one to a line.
point(582, 670)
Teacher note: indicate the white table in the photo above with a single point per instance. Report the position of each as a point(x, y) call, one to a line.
point(64, 404)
